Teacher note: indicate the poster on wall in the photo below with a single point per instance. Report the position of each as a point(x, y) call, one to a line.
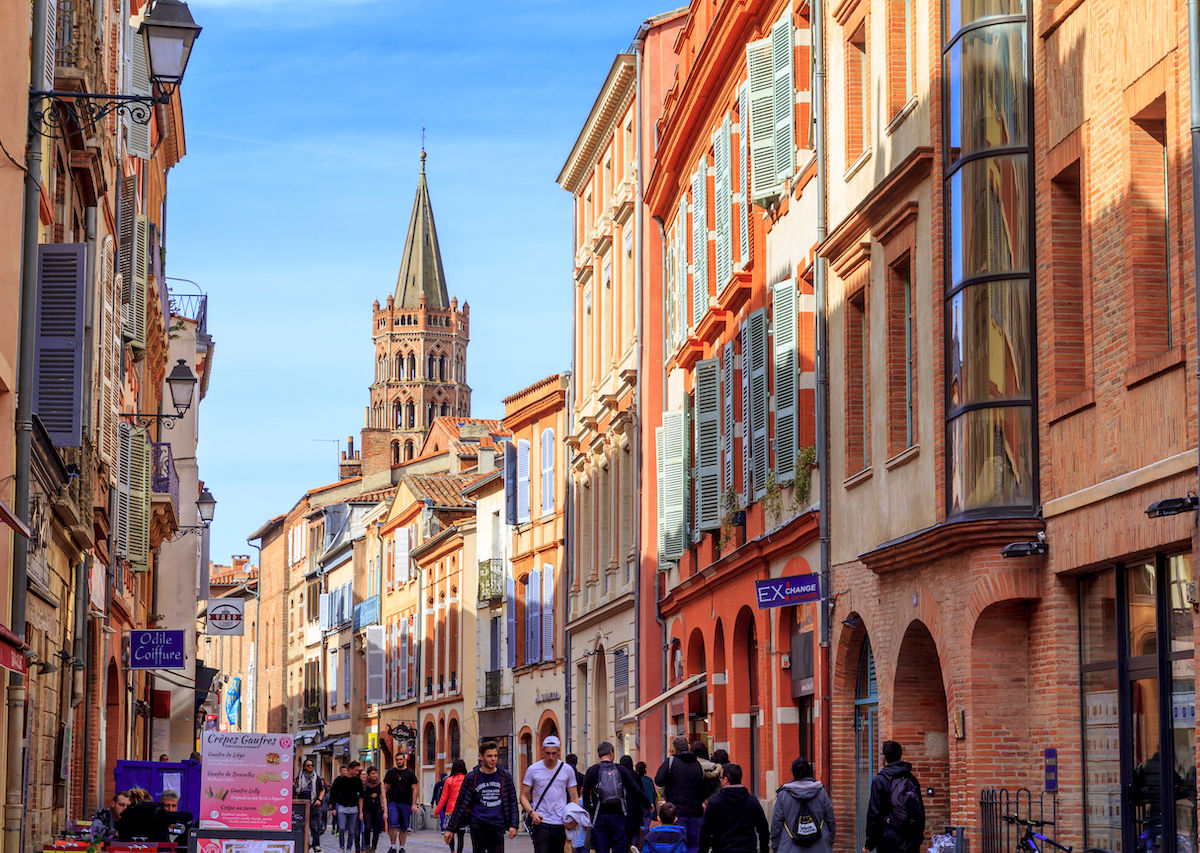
point(246, 780)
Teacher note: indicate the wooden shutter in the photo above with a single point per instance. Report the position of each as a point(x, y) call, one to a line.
point(510, 613)
point(141, 242)
point(375, 666)
point(547, 461)
point(547, 612)
point(759, 400)
point(674, 484)
point(323, 624)
point(708, 444)
point(782, 53)
point(784, 322)
point(110, 355)
point(727, 421)
point(533, 617)
point(404, 659)
point(346, 668)
point(333, 676)
point(681, 277)
point(743, 174)
point(58, 349)
point(723, 202)
point(402, 547)
point(139, 504)
point(660, 504)
point(126, 234)
point(50, 19)
point(762, 119)
point(699, 242)
point(510, 483)
point(669, 300)
point(137, 135)
point(118, 546)
point(522, 480)
point(747, 466)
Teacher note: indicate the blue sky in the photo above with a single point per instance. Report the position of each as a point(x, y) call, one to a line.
point(303, 123)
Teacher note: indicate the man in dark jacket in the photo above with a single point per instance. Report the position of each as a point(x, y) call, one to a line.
point(486, 804)
point(734, 821)
point(895, 786)
point(682, 782)
point(614, 792)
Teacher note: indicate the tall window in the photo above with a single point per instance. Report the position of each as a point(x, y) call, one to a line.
point(901, 357)
point(858, 382)
point(1149, 230)
point(901, 48)
point(1066, 284)
point(858, 93)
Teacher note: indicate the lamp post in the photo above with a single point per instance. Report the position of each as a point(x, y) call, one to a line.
point(168, 34)
point(206, 507)
point(181, 383)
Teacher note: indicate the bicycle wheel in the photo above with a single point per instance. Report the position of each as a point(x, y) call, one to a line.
point(1095, 850)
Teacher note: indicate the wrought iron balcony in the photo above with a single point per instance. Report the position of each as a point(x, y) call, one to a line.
point(491, 580)
point(492, 681)
point(75, 40)
point(190, 306)
point(366, 613)
point(164, 480)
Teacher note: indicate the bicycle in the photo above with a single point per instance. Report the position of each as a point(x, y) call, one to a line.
point(1028, 841)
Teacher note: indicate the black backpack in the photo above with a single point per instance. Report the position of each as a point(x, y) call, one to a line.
point(807, 829)
point(908, 811)
point(610, 786)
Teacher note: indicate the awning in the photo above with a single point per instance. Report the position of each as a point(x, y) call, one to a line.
point(692, 682)
point(7, 516)
point(307, 736)
point(332, 743)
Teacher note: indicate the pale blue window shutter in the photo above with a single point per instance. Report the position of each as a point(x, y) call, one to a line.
point(669, 300)
point(727, 422)
point(510, 483)
point(402, 561)
point(119, 542)
point(58, 349)
point(661, 495)
point(782, 53)
point(137, 135)
point(333, 675)
point(759, 400)
point(700, 242)
point(681, 276)
point(522, 481)
point(533, 617)
point(375, 666)
point(324, 612)
point(743, 172)
point(402, 675)
point(547, 470)
point(141, 244)
point(744, 364)
point(762, 119)
point(547, 612)
point(723, 202)
point(783, 308)
point(346, 668)
point(708, 444)
point(510, 612)
point(675, 476)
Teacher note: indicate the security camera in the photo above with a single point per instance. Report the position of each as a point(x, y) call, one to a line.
point(1024, 549)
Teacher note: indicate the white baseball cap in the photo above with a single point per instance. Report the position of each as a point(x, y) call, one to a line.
point(551, 740)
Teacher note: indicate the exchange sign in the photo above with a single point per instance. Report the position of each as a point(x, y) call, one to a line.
point(781, 592)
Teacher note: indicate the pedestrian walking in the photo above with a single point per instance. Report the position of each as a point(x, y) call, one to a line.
point(398, 786)
point(576, 822)
point(720, 756)
point(487, 803)
point(374, 819)
point(310, 786)
point(548, 786)
point(573, 762)
point(437, 795)
point(615, 791)
point(896, 812)
point(712, 770)
point(668, 836)
point(681, 780)
point(734, 821)
point(445, 804)
point(345, 795)
point(803, 816)
point(652, 795)
point(104, 823)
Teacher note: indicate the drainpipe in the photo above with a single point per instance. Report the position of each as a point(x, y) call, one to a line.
point(14, 808)
point(568, 561)
point(1193, 7)
point(636, 48)
point(822, 396)
point(662, 626)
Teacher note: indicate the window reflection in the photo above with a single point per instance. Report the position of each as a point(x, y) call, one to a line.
point(1098, 618)
point(991, 458)
point(989, 209)
point(959, 13)
point(1143, 627)
point(988, 105)
point(990, 343)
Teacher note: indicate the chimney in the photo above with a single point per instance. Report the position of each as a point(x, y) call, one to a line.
point(240, 561)
point(349, 465)
point(487, 460)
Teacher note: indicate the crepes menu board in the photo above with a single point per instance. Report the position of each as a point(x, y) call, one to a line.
point(246, 781)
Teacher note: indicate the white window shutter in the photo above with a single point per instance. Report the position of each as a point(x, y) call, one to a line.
point(759, 400)
point(661, 505)
point(139, 505)
point(744, 195)
point(522, 480)
point(403, 660)
point(375, 665)
point(547, 612)
point(747, 466)
point(669, 300)
point(324, 612)
point(782, 53)
point(723, 202)
point(510, 617)
point(137, 135)
point(727, 421)
point(332, 673)
point(141, 243)
point(547, 470)
point(110, 348)
point(708, 444)
point(762, 119)
point(346, 669)
point(699, 242)
point(681, 276)
point(389, 667)
point(675, 476)
point(401, 546)
point(50, 19)
point(533, 617)
point(783, 308)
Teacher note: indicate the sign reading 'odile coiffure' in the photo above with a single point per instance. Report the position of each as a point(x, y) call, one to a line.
point(156, 649)
point(781, 592)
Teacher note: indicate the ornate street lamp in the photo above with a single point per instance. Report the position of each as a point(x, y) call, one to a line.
point(181, 383)
point(206, 506)
point(169, 33)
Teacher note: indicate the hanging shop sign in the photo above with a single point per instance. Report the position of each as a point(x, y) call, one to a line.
point(781, 592)
point(225, 617)
point(156, 649)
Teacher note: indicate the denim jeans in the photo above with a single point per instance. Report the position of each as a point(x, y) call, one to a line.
point(691, 826)
point(610, 833)
point(486, 838)
point(372, 825)
point(347, 819)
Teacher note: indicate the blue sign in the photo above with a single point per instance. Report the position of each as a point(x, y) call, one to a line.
point(156, 650)
point(233, 702)
point(780, 592)
point(1051, 760)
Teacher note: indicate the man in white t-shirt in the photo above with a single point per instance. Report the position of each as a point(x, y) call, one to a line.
point(548, 786)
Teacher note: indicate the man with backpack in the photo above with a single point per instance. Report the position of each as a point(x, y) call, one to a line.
point(734, 821)
point(896, 814)
point(614, 790)
point(668, 836)
point(803, 816)
point(681, 780)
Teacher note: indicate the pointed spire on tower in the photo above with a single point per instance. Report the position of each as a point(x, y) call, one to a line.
point(421, 273)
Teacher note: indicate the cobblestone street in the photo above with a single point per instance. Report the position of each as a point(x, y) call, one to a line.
point(428, 841)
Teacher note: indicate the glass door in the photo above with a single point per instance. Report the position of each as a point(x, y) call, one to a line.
point(866, 738)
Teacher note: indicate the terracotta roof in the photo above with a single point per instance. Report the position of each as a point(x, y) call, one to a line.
point(329, 486)
point(375, 496)
point(231, 577)
point(536, 386)
point(442, 489)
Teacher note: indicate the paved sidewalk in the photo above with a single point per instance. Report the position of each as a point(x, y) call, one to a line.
point(429, 841)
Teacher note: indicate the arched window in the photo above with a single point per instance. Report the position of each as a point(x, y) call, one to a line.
point(429, 417)
point(445, 409)
point(431, 367)
point(395, 453)
point(396, 414)
point(455, 744)
point(398, 368)
point(430, 744)
point(442, 368)
point(412, 367)
point(410, 415)
point(408, 450)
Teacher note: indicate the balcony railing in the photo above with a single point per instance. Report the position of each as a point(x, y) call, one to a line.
point(163, 478)
point(75, 35)
point(491, 580)
point(191, 306)
point(491, 688)
point(366, 613)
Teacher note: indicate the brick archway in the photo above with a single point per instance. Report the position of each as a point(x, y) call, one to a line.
point(718, 679)
point(920, 721)
point(696, 703)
